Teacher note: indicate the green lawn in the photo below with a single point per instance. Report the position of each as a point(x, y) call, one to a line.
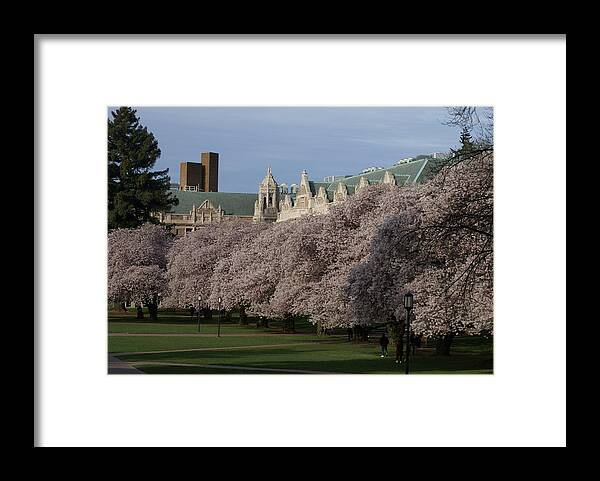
point(197, 370)
point(262, 348)
point(183, 324)
point(163, 343)
point(172, 328)
point(340, 358)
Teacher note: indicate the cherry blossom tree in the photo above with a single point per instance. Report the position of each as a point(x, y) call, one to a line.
point(458, 243)
point(343, 243)
point(268, 274)
point(137, 266)
point(437, 241)
point(376, 285)
point(301, 269)
point(193, 259)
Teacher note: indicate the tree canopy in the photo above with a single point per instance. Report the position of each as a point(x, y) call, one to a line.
point(135, 192)
point(137, 261)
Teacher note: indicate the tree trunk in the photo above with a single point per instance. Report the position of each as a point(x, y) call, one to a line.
point(206, 313)
point(123, 307)
point(320, 329)
point(442, 345)
point(360, 333)
point(153, 311)
point(289, 325)
point(139, 312)
point(243, 317)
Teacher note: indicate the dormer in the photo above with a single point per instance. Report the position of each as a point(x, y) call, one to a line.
point(341, 192)
point(363, 182)
point(389, 178)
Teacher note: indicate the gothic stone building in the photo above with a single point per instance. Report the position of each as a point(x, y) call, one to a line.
point(275, 202)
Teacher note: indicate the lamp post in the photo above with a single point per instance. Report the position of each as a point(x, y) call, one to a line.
point(199, 304)
point(219, 325)
point(408, 305)
point(155, 313)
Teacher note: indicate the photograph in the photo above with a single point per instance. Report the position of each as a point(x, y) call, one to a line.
point(300, 240)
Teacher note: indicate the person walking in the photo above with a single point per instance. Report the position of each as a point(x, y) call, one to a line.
point(383, 344)
point(399, 349)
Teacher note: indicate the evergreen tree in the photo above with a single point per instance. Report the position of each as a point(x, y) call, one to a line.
point(134, 190)
point(466, 141)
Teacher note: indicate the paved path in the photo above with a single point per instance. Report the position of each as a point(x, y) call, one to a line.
point(237, 368)
point(116, 366)
point(231, 348)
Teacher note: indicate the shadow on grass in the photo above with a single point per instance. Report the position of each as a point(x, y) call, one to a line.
point(324, 358)
point(203, 370)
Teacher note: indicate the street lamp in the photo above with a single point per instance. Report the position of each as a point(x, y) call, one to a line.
point(219, 326)
point(408, 305)
point(157, 305)
point(199, 301)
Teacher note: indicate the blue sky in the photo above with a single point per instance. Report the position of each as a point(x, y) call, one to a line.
point(322, 140)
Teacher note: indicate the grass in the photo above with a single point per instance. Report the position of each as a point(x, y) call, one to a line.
point(268, 348)
point(157, 328)
point(183, 324)
point(196, 370)
point(163, 343)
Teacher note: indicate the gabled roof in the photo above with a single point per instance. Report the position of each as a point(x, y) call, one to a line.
point(232, 203)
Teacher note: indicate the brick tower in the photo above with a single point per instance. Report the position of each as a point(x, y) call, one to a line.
point(210, 167)
point(191, 176)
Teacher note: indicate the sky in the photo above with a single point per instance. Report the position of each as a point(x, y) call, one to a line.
point(323, 140)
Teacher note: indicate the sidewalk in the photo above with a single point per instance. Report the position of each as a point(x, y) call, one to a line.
point(116, 366)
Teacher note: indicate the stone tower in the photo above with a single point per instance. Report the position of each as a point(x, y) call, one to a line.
point(266, 206)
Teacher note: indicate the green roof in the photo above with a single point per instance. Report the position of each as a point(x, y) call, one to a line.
point(409, 172)
point(417, 170)
point(242, 204)
point(232, 203)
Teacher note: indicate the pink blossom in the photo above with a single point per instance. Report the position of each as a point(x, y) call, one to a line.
point(137, 263)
